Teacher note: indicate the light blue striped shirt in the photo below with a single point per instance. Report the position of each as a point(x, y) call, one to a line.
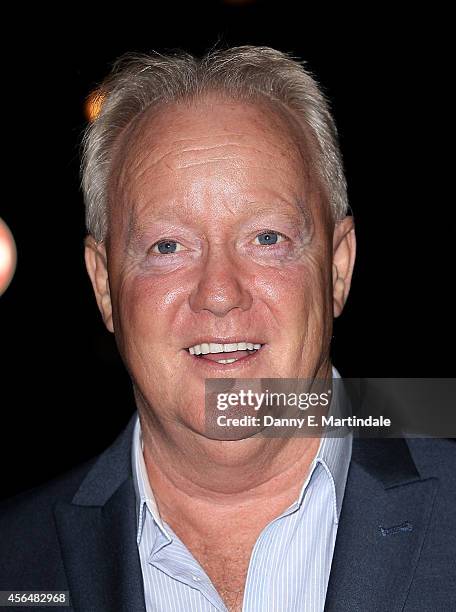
point(290, 562)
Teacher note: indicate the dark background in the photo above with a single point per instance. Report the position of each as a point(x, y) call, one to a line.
point(64, 394)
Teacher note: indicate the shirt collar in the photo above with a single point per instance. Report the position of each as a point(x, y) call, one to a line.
point(144, 496)
point(334, 454)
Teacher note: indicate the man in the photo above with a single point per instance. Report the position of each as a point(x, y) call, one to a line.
point(219, 246)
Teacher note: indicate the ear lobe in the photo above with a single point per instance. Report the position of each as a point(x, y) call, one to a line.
point(97, 269)
point(344, 252)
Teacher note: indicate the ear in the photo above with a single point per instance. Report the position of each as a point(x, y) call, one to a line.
point(344, 251)
point(96, 264)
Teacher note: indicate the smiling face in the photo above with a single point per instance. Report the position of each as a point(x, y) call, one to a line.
point(220, 248)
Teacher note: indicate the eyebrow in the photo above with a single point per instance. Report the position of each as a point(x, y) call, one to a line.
point(299, 212)
point(282, 207)
point(136, 230)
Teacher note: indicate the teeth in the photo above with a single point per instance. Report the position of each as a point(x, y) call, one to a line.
point(216, 348)
point(230, 348)
point(226, 360)
point(212, 347)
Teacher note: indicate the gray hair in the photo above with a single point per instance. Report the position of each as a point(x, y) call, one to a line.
point(139, 82)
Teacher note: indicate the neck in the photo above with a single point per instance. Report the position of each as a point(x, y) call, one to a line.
point(212, 486)
point(199, 479)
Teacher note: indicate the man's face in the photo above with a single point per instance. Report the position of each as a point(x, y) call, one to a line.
point(218, 235)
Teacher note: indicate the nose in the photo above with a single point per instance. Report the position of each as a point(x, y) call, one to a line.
point(220, 287)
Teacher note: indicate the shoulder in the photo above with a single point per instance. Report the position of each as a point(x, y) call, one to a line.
point(36, 503)
point(29, 547)
point(434, 457)
point(30, 551)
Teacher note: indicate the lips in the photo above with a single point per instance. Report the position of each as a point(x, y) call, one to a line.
point(224, 354)
point(205, 347)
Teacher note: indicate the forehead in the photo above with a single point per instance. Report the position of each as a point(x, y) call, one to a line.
point(213, 145)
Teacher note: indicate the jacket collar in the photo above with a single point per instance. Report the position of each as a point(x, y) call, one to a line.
point(111, 469)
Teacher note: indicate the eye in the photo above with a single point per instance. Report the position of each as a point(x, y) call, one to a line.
point(269, 237)
point(165, 247)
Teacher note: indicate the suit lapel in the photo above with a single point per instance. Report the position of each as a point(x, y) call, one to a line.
point(385, 513)
point(97, 535)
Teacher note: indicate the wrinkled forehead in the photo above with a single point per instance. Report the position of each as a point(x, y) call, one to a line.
point(206, 132)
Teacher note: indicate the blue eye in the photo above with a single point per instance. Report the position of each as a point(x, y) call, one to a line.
point(269, 237)
point(165, 247)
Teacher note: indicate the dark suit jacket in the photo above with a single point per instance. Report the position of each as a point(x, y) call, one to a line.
point(395, 547)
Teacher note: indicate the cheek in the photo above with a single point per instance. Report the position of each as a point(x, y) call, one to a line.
point(294, 294)
point(146, 308)
point(144, 323)
point(138, 308)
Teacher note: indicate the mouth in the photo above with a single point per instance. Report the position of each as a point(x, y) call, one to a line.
point(224, 355)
